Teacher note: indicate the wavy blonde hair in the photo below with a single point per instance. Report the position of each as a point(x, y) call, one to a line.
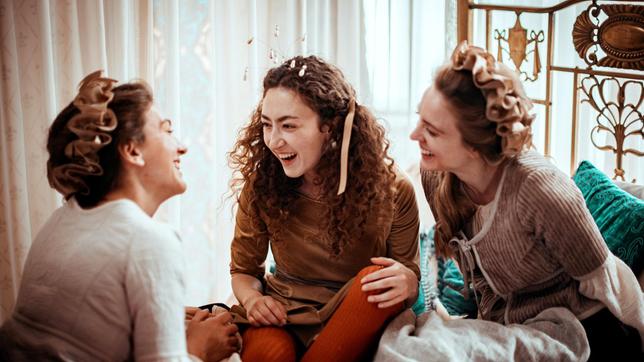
point(493, 116)
point(371, 171)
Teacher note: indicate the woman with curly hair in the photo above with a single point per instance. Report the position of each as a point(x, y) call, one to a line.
point(317, 186)
point(518, 227)
point(103, 280)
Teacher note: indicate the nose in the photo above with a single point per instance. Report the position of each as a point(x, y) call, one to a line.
point(416, 134)
point(275, 141)
point(181, 149)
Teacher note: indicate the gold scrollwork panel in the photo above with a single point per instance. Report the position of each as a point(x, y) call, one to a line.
point(518, 41)
point(614, 115)
point(620, 36)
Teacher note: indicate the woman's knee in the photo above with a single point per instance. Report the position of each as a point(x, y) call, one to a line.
point(267, 344)
point(367, 270)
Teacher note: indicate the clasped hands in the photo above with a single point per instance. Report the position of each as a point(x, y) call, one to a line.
point(211, 336)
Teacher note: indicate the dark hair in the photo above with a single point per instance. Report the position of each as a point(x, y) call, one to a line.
point(323, 88)
point(130, 103)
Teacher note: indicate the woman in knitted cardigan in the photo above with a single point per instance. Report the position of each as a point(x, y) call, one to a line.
point(517, 225)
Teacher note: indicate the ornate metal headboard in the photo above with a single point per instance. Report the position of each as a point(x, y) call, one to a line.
point(607, 34)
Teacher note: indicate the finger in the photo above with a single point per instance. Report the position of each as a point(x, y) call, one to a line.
point(379, 274)
point(231, 329)
point(223, 318)
point(200, 315)
point(282, 309)
point(268, 314)
point(384, 297)
point(391, 302)
point(261, 318)
point(386, 283)
point(191, 311)
point(253, 322)
point(381, 260)
point(233, 342)
point(278, 310)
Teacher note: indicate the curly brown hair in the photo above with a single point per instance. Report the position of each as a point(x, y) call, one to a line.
point(371, 184)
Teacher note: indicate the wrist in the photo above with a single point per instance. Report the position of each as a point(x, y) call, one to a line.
point(249, 298)
point(413, 295)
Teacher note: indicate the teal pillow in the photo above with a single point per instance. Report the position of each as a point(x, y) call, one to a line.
point(449, 282)
point(619, 215)
point(450, 287)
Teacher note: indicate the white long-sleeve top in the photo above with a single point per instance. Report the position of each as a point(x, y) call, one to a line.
point(102, 284)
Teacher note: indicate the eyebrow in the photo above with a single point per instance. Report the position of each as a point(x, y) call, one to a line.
point(169, 122)
point(434, 128)
point(281, 119)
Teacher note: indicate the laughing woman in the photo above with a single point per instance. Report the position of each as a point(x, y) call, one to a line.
point(103, 281)
point(518, 226)
point(319, 189)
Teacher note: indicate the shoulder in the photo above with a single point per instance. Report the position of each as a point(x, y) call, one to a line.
point(149, 236)
point(404, 194)
point(404, 191)
point(531, 164)
point(402, 184)
point(536, 179)
point(535, 170)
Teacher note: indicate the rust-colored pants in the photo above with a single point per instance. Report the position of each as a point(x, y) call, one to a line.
point(350, 335)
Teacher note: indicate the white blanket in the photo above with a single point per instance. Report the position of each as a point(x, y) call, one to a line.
point(553, 335)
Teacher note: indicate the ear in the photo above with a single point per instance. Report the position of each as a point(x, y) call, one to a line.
point(473, 153)
point(327, 131)
point(131, 154)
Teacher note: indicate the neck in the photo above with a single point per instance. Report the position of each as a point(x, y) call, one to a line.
point(308, 187)
point(481, 181)
point(137, 193)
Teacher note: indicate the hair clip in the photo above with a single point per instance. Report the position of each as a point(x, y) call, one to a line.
point(292, 64)
point(275, 53)
point(302, 71)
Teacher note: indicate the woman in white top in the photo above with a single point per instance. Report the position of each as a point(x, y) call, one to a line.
point(103, 280)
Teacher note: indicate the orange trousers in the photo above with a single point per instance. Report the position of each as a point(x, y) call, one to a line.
point(351, 334)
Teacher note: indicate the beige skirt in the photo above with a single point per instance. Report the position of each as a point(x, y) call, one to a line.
point(308, 307)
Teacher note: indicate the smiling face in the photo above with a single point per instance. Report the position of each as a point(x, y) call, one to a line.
point(161, 153)
point(292, 132)
point(440, 141)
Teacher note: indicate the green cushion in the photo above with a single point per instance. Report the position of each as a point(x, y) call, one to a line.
point(449, 282)
point(619, 215)
point(450, 289)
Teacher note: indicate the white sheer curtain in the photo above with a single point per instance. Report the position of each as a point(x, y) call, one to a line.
point(194, 54)
point(405, 44)
point(406, 41)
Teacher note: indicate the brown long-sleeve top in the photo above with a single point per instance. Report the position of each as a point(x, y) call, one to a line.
point(308, 281)
point(536, 246)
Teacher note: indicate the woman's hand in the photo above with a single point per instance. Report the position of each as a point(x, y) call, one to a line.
point(190, 313)
point(211, 338)
point(263, 310)
point(397, 283)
